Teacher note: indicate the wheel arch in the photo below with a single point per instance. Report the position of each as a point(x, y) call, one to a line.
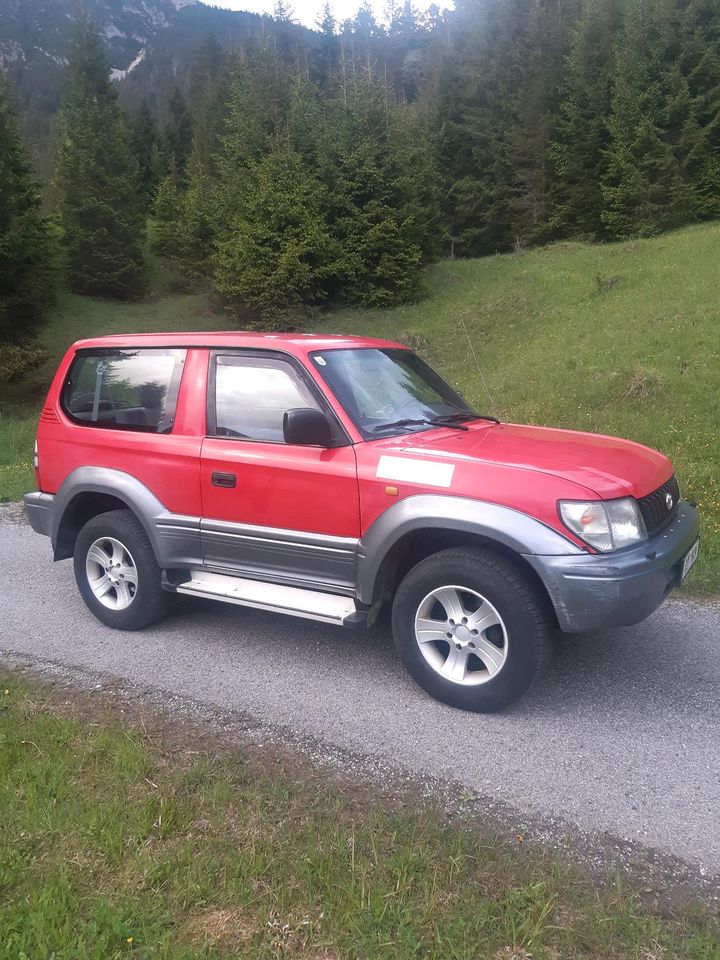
point(83, 506)
point(419, 526)
point(90, 491)
point(416, 546)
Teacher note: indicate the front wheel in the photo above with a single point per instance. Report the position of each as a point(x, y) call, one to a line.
point(116, 572)
point(471, 630)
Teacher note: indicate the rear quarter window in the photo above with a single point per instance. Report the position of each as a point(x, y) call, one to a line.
point(124, 389)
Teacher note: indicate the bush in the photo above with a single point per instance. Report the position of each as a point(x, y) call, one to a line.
point(16, 361)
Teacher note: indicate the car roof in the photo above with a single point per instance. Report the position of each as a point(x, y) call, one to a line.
point(296, 343)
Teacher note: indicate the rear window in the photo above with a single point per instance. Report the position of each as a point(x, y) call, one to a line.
point(124, 389)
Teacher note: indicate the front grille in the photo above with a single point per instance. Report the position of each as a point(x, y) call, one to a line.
point(654, 507)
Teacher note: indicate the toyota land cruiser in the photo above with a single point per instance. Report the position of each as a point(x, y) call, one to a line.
point(327, 476)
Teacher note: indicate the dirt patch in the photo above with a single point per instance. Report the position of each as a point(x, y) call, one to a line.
point(605, 284)
point(643, 384)
point(229, 929)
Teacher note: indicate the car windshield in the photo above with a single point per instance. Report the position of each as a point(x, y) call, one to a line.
point(392, 391)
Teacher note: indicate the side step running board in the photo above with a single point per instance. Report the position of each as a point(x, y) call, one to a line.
point(310, 604)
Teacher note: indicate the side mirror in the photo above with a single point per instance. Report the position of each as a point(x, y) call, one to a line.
point(307, 427)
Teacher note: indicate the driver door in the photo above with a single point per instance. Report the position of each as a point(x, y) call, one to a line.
point(272, 510)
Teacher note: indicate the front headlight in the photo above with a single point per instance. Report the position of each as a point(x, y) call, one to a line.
point(604, 524)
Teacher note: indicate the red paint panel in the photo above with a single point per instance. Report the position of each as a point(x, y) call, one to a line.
point(523, 490)
point(167, 464)
point(289, 487)
point(525, 468)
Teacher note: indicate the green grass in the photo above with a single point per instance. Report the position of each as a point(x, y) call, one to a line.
point(621, 339)
point(147, 841)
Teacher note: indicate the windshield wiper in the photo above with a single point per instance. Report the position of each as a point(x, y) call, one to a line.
point(468, 415)
point(449, 421)
point(441, 420)
point(462, 415)
point(400, 423)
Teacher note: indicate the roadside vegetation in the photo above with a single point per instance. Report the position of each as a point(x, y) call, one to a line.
point(619, 339)
point(148, 840)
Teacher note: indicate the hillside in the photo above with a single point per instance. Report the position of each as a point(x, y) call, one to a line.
point(621, 339)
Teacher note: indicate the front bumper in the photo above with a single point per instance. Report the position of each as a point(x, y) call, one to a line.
point(39, 511)
point(598, 591)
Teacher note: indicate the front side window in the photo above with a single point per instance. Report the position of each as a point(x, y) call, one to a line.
point(124, 389)
point(392, 391)
point(252, 394)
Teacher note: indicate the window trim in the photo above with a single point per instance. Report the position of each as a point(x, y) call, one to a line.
point(339, 435)
point(171, 398)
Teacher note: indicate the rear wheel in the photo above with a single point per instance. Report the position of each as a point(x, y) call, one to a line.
point(117, 573)
point(471, 630)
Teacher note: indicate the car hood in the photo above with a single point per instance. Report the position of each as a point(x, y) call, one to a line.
point(607, 466)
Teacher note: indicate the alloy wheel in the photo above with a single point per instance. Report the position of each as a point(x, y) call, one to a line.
point(111, 573)
point(461, 635)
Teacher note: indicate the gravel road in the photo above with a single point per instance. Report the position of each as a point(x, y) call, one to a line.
point(623, 737)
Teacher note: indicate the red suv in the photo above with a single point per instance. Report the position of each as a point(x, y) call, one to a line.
point(325, 477)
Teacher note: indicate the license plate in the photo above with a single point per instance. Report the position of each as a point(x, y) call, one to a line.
point(690, 558)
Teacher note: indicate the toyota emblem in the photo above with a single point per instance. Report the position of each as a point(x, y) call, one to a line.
point(669, 501)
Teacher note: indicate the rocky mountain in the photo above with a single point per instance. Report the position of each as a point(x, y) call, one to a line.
point(149, 43)
point(35, 34)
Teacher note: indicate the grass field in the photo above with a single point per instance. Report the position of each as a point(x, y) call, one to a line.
point(147, 841)
point(621, 339)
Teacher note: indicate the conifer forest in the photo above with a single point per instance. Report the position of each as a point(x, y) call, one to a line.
point(295, 167)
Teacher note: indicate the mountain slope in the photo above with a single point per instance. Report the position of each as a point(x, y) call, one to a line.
point(149, 43)
point(34, 31)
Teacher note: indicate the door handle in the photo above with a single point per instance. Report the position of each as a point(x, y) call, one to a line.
point(223, 480)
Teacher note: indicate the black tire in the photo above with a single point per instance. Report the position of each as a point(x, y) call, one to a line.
point(149, 602)
point(524, 612)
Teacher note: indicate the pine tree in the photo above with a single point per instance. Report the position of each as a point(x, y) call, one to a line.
point(643, 188)
point(25, 251)
point(177, 133)
point(166, 213)
point(146, 147)
point(275, 251)
point(328, 47)
point(206, 97)
point(474, 110)
point(380, 201)
point(699, 63)
point(539, 50)
point(97, 179)
point(366, 32)
point(582, 137)
point(195, 228)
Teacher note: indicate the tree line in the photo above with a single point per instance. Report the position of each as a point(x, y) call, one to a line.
point(287, 173)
